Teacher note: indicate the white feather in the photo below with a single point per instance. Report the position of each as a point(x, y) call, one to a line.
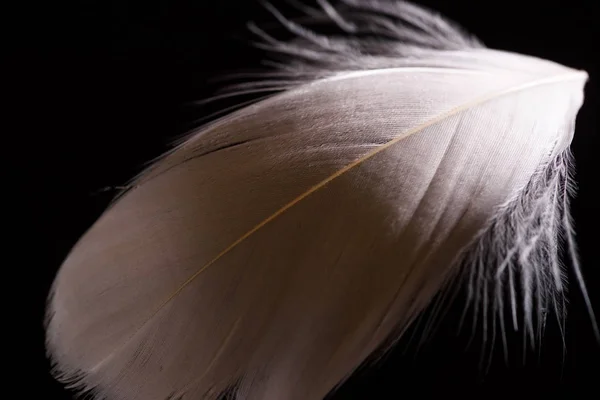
point(276, 249)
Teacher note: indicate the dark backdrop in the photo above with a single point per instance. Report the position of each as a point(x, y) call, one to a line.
point(100, 87)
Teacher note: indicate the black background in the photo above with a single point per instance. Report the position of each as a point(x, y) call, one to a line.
point(98, 88)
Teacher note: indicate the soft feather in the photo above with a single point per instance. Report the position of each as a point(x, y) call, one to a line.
point(277, 248)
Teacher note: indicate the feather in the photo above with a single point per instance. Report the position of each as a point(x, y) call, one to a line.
point(273, 251)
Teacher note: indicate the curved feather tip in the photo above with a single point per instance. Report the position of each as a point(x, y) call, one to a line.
point(275, 250)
